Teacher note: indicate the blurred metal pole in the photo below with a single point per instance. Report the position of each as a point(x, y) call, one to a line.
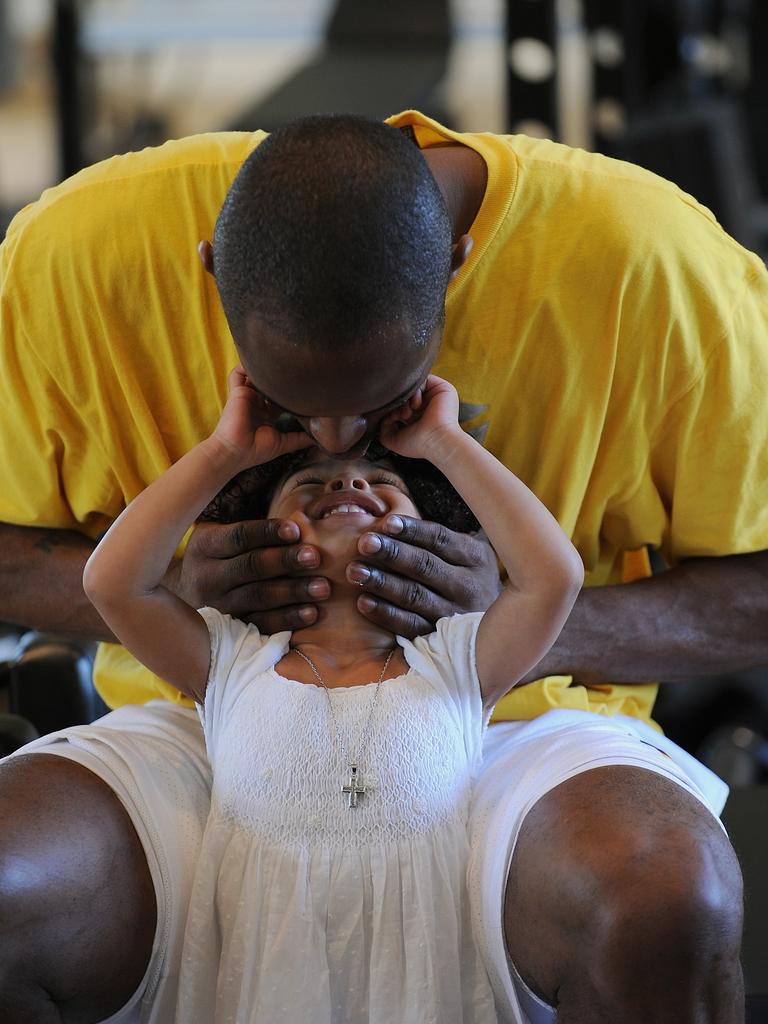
point(532, 97)
point(619, 35)
point(65, 52)
point(7, 50)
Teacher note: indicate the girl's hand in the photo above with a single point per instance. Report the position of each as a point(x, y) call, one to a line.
point(423, 424)
point(246, 425)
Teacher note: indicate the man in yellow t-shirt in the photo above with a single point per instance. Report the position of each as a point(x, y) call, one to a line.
point(608, 342)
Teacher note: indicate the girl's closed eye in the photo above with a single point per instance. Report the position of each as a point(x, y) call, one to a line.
point(307, 480)
point(400, 485)
point(385, 478)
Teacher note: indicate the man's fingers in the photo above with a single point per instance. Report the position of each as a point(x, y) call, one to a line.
point(260, 564)
point(409, 595)
point(225, 540)
point(279, 619)
point(395, 620)
point(253, 597)
point(394, 555)
point(427, 569)
point(255, 549)
point(454, 548)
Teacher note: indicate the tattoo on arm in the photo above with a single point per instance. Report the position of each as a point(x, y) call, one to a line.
point(47, 540)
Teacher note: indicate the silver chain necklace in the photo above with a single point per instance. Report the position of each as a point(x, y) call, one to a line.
point(355, 786)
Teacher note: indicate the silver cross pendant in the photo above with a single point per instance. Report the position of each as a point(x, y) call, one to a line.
point(354, 787)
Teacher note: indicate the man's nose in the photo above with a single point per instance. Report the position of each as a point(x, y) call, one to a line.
point(337, 434)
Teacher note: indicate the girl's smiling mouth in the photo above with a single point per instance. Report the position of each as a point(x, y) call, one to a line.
point(347, 502)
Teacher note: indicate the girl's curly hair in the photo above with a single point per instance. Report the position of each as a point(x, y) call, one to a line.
point(247, 496)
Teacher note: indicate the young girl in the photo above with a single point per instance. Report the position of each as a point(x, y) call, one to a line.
point(331, 881)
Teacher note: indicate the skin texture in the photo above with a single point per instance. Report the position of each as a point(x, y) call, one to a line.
point(660, 625)
point(634, 912)
point(67, 908)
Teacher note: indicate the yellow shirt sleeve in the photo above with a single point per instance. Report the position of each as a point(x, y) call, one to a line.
point(44, 440)
point(710, 457)
point(115, 350)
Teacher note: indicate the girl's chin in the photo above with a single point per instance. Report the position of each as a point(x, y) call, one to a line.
point(335, 553)
point(342, 533)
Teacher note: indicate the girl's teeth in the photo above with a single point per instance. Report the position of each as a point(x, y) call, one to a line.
point(344, 508)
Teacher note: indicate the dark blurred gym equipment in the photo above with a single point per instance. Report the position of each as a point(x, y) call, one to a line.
point(48, 683)
point(746, 818)
point(532, 72)
point(378, 57)
point(680, 87)
point(677, 92)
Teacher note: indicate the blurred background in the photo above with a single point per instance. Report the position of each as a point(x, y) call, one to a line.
point(679, 86)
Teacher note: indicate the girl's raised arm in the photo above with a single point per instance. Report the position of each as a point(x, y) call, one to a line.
point(544, 569)
point(123, 577)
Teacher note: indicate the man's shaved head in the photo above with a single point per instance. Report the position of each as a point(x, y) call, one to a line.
point(333, 233)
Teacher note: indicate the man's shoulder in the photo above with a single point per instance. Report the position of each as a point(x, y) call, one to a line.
point(211, 159)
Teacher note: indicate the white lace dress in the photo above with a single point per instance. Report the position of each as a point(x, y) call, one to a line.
point(305, 910)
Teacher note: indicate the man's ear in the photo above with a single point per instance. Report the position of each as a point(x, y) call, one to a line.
point(460, 251)
point(205, 251)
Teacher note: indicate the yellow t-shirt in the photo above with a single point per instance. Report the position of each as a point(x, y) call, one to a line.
point(608, 340)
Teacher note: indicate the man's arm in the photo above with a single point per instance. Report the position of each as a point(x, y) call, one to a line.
point(704, 617)
point(246, 569)
point(707, 616)
point(41, 582)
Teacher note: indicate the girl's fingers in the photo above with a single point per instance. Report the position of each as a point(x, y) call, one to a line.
point(295, 440)
point(417, 398)
point(392, 419)
point(237, 377)
point(271, 443)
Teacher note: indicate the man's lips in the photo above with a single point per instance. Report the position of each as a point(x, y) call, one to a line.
point(359, 499)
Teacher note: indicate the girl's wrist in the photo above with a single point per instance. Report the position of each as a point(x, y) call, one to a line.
point(444, 445)
point(224, 455)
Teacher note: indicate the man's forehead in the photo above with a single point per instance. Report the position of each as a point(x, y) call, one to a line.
point(357, 382)
point(352, 410)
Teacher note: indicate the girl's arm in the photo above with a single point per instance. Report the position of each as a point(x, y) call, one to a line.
point(123, 576)
point(544, 569)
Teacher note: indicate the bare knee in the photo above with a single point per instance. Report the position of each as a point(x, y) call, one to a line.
point(671, 915)
point(77, 906)
point(621, 878)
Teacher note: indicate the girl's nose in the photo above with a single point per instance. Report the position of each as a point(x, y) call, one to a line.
point(337, 434)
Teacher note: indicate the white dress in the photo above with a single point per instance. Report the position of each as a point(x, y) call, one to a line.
point(305, 910)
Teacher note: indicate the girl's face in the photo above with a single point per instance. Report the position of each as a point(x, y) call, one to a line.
point(334, 501)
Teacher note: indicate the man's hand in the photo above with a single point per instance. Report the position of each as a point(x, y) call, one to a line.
point(249, 570)
point(415, 572)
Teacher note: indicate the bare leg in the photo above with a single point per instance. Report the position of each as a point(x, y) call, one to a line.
point(77, 904)
point(624, 904)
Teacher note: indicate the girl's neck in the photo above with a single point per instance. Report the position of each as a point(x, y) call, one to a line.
point(344, 646)
point(342, 640)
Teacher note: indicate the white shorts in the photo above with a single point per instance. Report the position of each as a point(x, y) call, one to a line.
point(153, 756)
